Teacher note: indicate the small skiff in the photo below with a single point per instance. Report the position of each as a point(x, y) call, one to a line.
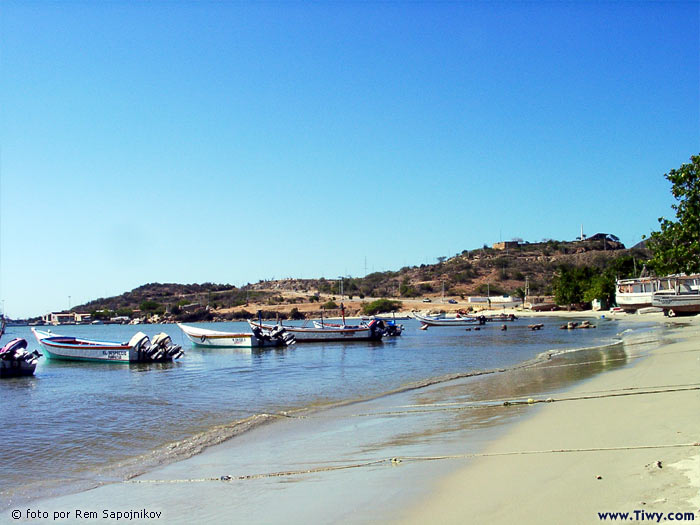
point(372, 331)
point(140, 349)
point(427, 320)
point(258, 338)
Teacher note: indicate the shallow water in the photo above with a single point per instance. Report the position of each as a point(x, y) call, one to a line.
point(74, 424)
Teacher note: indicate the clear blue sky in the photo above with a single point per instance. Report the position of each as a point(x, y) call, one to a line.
point(236, 141)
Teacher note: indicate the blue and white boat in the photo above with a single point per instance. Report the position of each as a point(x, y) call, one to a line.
point(139, 349)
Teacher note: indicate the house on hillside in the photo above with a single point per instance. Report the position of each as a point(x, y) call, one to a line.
point(608, 241)
point(505, 245)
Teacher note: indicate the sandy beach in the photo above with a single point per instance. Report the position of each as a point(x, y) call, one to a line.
point(627, 448)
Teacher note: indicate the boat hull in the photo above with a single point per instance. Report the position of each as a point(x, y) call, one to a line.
point(13, 368)
point(324, 335)
point(75, 349)
point(212, 338)
point(456, 321)
point(678, 304)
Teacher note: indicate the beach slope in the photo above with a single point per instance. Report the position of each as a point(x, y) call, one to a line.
point(625, 446)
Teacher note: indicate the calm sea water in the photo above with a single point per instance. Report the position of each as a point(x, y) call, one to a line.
point(75, 424)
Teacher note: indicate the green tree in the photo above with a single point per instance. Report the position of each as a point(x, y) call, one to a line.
point(330, 305)
point(676, 248)
point(571, 283)
point(380, 306)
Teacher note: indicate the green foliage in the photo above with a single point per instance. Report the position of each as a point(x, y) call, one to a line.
point(380, 306)
point(101, 315)
point(330, 305)
point(124, 312)
point(575, 285)
point(149, 306)
point(600, 287)
point(492, 289)
point(406, 290)
point(295, 314)
point(676, 248)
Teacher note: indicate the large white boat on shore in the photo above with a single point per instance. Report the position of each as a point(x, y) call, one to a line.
point(634, 294)
point(682, 298)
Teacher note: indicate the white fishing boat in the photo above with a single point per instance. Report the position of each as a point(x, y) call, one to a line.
point(681, 299)
point(372, 331)
point(139, 349)
point(633, 294)
point(459, 320)
point(258, 338)
point(16, 361)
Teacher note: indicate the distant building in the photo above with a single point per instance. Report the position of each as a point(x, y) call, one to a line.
point(55, 318)
point(608, 240)
point(505, 245)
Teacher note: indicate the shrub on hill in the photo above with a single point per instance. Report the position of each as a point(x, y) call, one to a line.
point(380, 306)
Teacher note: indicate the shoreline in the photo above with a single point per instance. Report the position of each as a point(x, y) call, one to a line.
point(626, 453)
point(222, 450)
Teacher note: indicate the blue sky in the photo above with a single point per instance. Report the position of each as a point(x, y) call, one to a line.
point(237, 141)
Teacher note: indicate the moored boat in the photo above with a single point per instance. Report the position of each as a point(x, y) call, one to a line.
point(427, 320)
point(139, 349)
point(16, 360)
point(257, 338)
point(372, 331)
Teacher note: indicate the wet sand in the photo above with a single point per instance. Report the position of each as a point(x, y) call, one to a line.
point(627, 452)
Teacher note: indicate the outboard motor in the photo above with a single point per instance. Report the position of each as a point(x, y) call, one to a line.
point(281, 336)
point(393, 329)
point(15, 351)
point(257, 332)
point(141, 344)
point(16, 361)
point(165, 348)
point(482, 320)
point(15, 346)
point(376, 329)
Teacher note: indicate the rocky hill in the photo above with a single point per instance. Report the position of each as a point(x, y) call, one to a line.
point(505, 268)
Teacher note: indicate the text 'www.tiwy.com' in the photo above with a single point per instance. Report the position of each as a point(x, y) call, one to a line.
point(643, 515)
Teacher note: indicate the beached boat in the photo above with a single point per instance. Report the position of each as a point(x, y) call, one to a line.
point(258, 338)
point(459, 320)
point(633, 294)
point(372, 331)
point(16, 361)
point(139, 349)
point(681, 299)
